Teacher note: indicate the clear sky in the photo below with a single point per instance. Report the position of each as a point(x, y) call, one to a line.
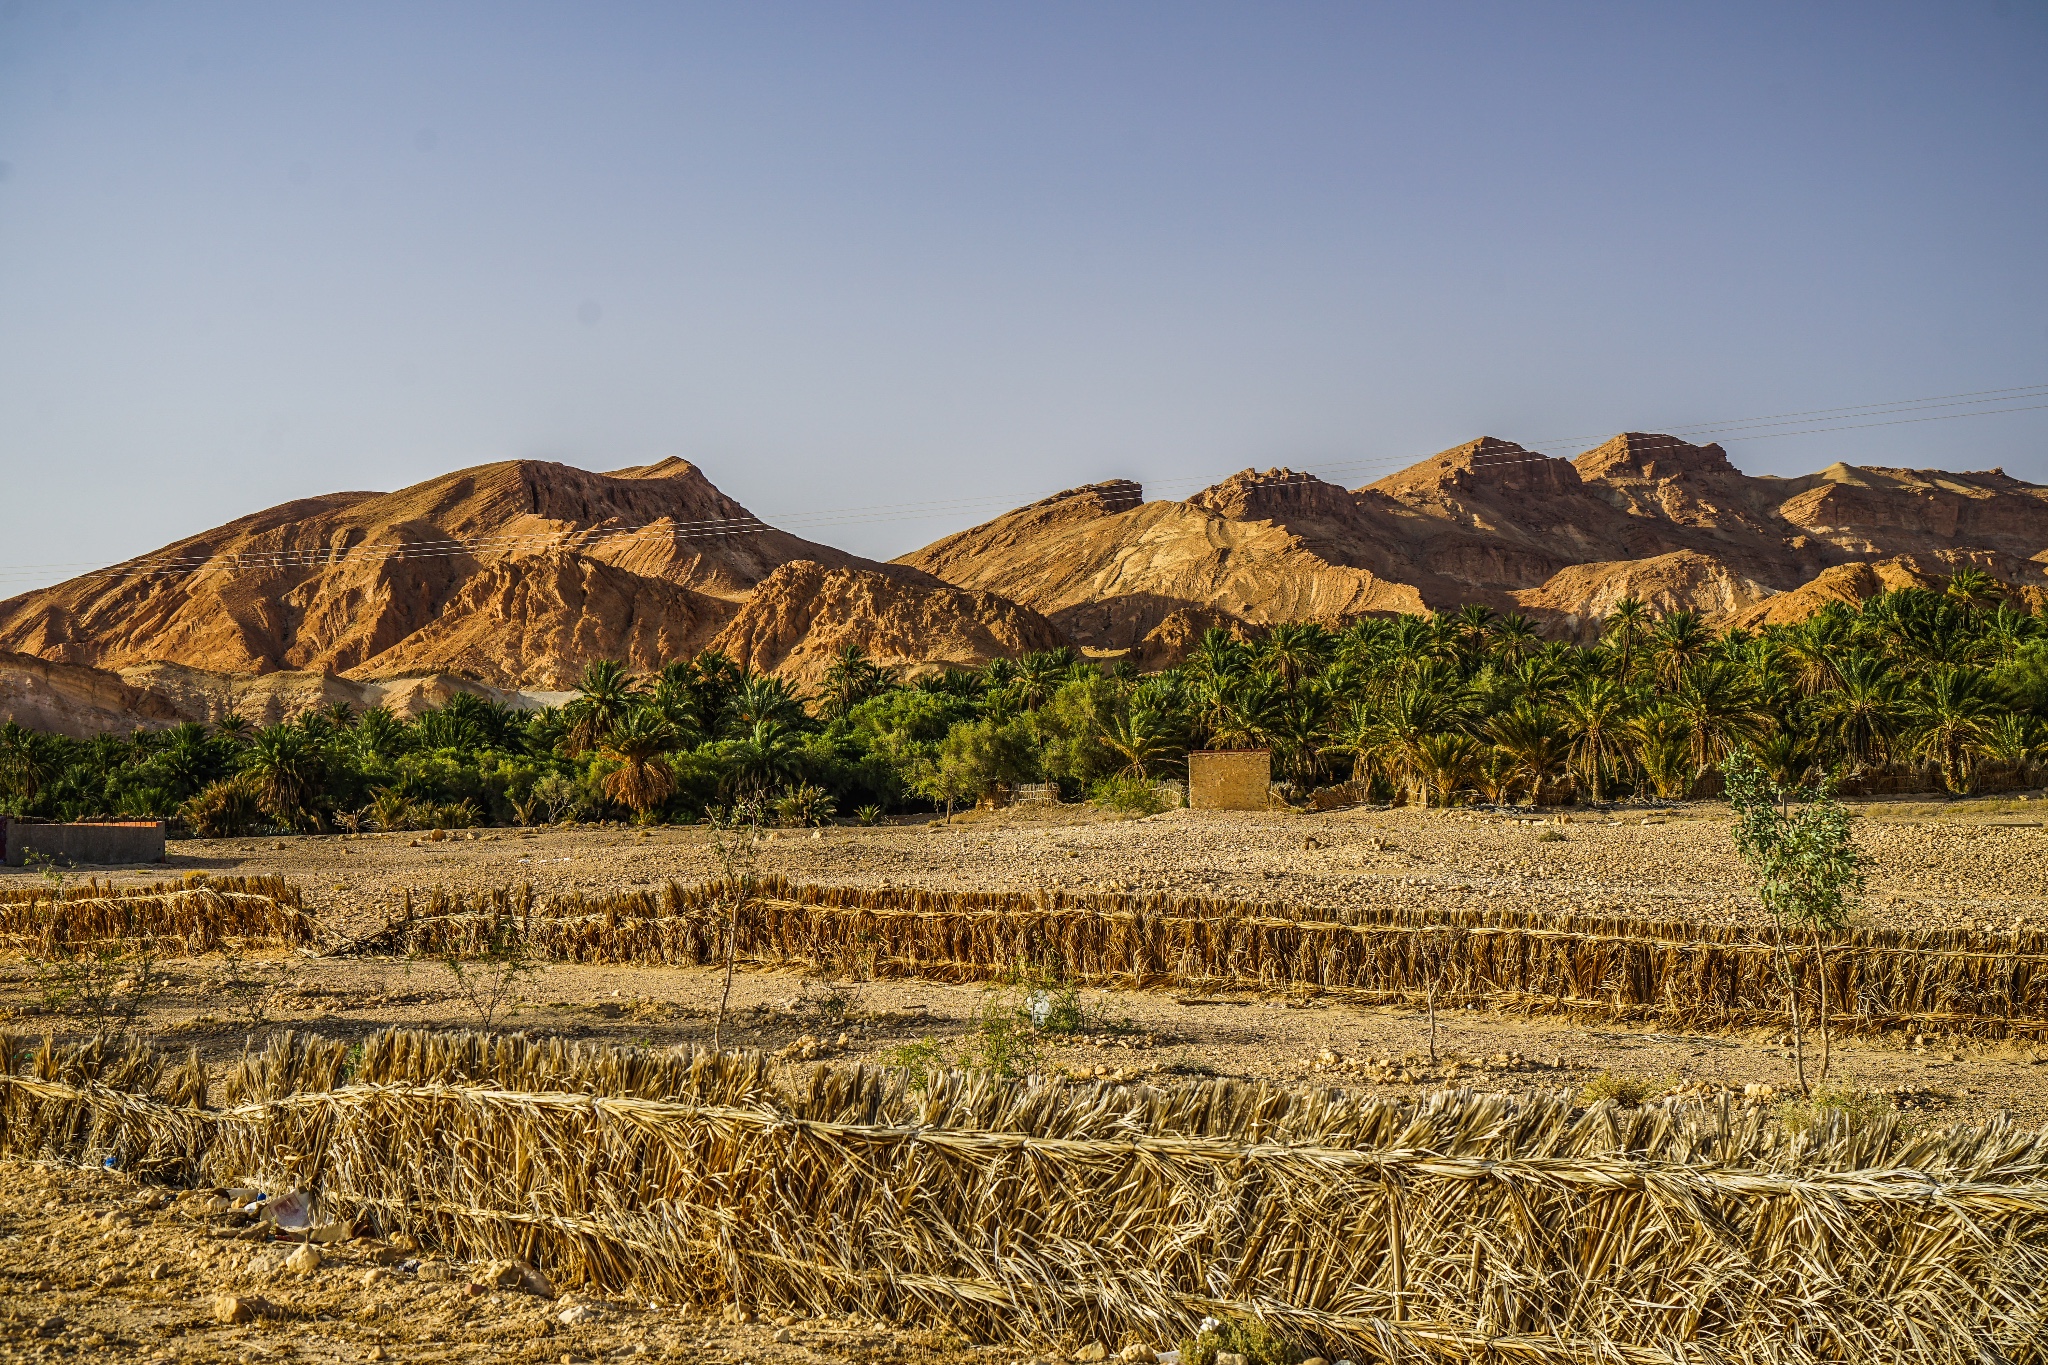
point(853, 255)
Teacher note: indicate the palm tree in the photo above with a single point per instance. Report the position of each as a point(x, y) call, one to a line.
point(1681, 640)
point(1663, 748)
point(1624, 630)
point(764, 697)
point(233, 728)
point(2013, 742)
point(1862, 713)
point(1422, 710)
point(1142, 737)
point(1813, 648)
point(1039, 675)
point(1515, 638)
point(1721, 708)
point(1244, 710)
point(851, 680)
point(603, 697)
point(27, 763)
point(1445, 763)
point(1295, 650)
point(1973, 588)
point(638, 743)
point(762, 759)
point(1530, 736)
point(1950, 712)
point(1594, 711)
point(289, 765)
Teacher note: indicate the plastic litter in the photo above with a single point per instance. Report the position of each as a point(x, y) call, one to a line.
point(291, 1212)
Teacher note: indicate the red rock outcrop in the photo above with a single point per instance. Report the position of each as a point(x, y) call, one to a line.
point(799, 618)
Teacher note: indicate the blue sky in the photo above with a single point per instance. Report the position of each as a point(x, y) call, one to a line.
point(849, 257)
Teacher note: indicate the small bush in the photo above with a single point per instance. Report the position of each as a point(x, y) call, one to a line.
point(1856, 1108)
point(1629, 1091)
point(1551, 835)
point(803, 804)
point(920, 1060)
point(227, 809)
point(1128, 795)
point(1258, 1343)
point(868, 815)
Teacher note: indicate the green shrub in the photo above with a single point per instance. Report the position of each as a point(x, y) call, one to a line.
point(1251, 1338)
point(1856, 1108)
point(919, 1060)
point(1629, 1091)
point(1128, 795)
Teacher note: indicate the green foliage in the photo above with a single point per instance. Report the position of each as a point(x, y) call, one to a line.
point(1830, 1105)
point(1915, 686)
point(1807, 866)
point(1627, 1091)
point(1251, 1338)
point(1128, 795)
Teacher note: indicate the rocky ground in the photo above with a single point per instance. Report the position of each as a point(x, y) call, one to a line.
point(1952, 864)
point(77, 1284)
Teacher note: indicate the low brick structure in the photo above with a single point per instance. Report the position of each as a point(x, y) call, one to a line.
point(97, 841)
point(1229, 779)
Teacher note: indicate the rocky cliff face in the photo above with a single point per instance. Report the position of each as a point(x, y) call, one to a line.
point(804, 613)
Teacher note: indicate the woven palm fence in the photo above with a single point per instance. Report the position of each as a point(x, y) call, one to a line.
point(1678, 972)
point(1457, 1227)
point(168, 916)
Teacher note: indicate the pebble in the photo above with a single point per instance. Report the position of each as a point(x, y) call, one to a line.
point(576, 1314)
point(304, 1261)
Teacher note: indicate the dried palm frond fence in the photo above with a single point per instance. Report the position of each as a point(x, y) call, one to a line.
point(168, 916)
point(1451, 1227)
point(1673, 971)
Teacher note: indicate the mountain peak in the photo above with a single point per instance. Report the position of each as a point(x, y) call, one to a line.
point(1651, 455)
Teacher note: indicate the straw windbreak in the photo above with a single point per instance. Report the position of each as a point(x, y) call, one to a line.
point(1679, 972)
point(191, 921)
point(1457, 1226)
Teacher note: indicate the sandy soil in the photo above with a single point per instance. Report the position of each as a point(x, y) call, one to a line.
point(1964, 863)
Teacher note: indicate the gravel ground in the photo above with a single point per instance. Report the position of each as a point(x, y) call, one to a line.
point(1967, 863)
point(95, 1266)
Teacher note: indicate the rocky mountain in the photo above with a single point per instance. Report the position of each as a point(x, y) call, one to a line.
point(508, 578)
point(1645, 515)
point(799, 617)
point(514, 575)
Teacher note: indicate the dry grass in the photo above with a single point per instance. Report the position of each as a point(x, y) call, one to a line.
point(169, 916)
point(1611, 967)
point(1455, 1227)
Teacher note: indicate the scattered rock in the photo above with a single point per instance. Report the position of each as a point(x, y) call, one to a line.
point(1093, 1351)
point(784, 1335)
point(304, 1261)
point(576, 1314)
point(375, 1276)
point(1138, 1353)
point(240, 1308)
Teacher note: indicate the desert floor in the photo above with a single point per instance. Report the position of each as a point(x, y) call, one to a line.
point(73, 1282)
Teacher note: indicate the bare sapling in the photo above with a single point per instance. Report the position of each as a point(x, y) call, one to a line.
point(736, 845)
